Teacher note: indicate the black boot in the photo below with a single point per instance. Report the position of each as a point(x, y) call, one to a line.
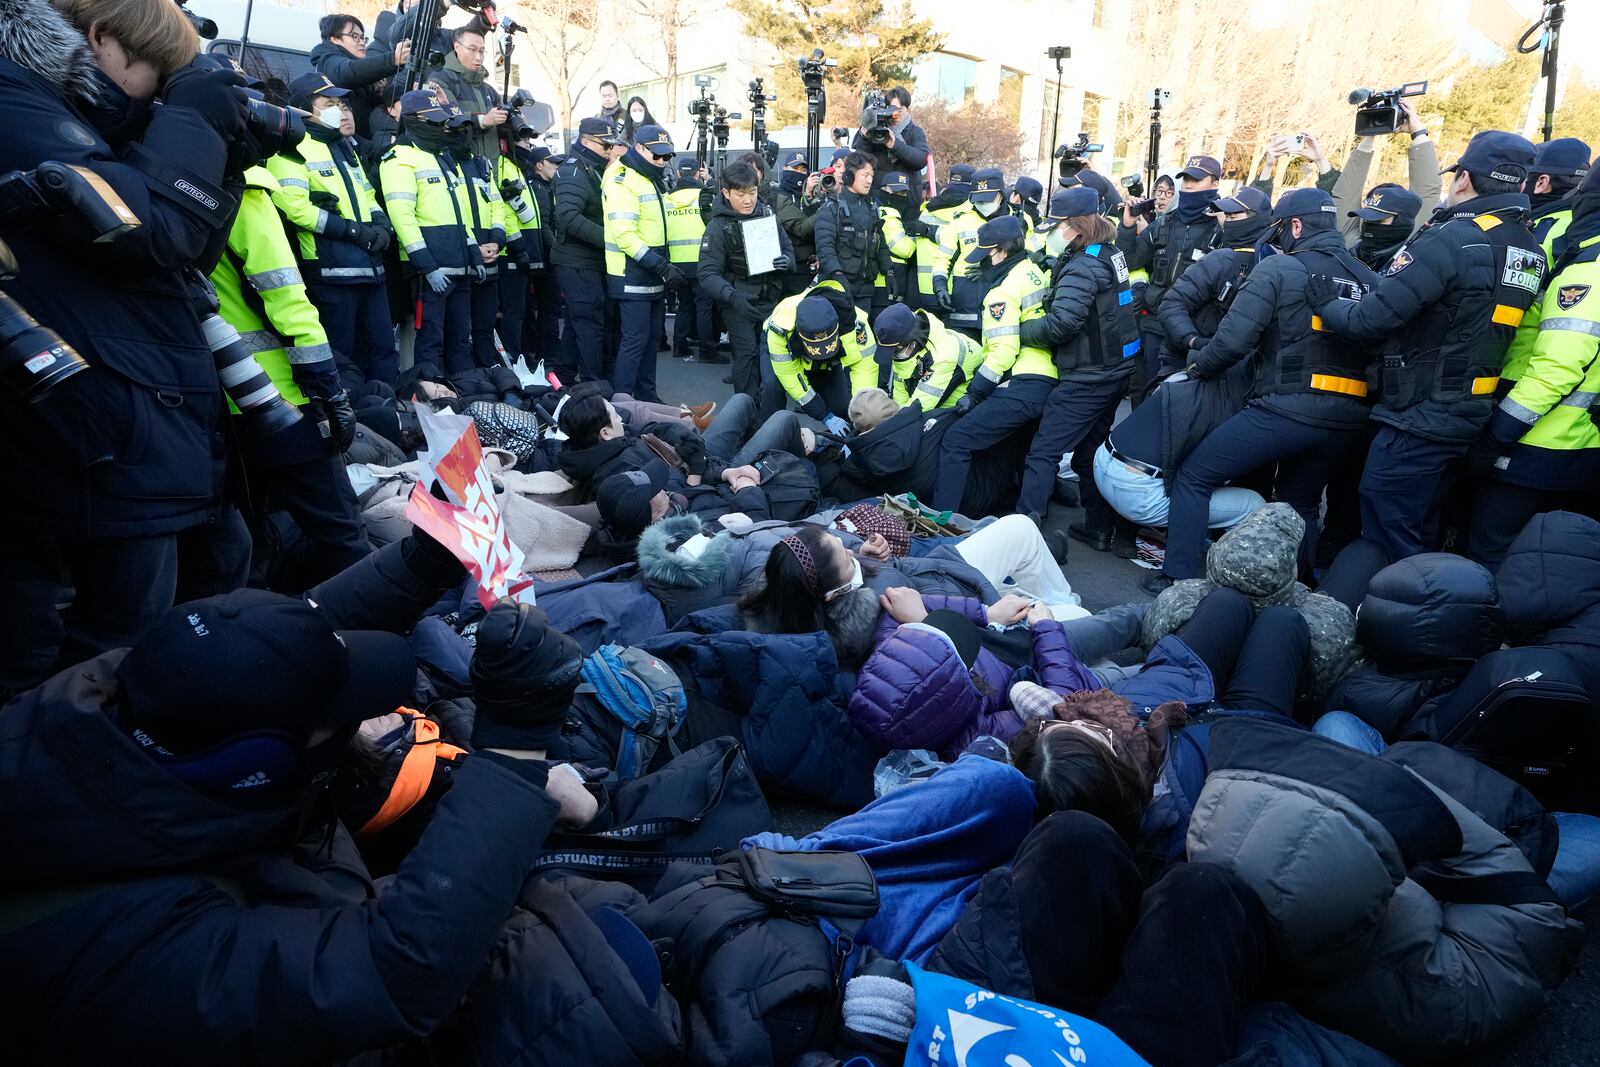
point(1097, 539)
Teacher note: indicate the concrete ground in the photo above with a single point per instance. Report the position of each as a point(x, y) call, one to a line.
point(1565, 1034)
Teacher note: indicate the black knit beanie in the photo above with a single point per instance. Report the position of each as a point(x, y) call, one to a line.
point(523, 676)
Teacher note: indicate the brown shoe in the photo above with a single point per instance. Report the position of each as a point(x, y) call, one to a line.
point(700, 414)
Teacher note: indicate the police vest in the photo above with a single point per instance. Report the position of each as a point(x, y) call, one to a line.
point(856, 244)
point(1110, 336)
point(426, 196)
point(314, 183)
point(1549, 228)
point(636, 228)
point(938, 374)
point(1173, 248)
point(485, 210)
point(685, 225)
point(1318, 360)
point(1473, 334)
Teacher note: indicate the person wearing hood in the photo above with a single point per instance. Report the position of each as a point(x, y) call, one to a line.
point(748, 292)
point(1010, 387)
point(342, 58)
point(426, 194)
point(124, 478)
point(1541, 449)
point(342, 232)
point(1388, 216)
point(850, 245)
point(1309, 399)
point(1167, 246)
point(960, 286)
point(928, 362)
point(1559, 167)
point(796, 200)
point(820, 353)
point(1089, 326)
point(1445, 311)
point(638, 265)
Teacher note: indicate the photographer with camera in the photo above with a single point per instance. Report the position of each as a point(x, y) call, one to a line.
point(849, 237)
point(120, 467)
point(891, 140)
point(343, 59)
point(1166, 246)
point(1422, 161)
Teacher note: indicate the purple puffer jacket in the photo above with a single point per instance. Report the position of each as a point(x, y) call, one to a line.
point(914, 691)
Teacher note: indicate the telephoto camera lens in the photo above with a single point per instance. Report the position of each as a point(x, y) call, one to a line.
point(264, 409)
point(34, 360)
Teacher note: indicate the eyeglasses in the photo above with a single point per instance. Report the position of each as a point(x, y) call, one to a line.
point(479, 51)
point(355, 35)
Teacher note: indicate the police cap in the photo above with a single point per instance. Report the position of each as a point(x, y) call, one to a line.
point(1199, 167)
point(1496, 154)
point(988, 184)
point(653, 139)
point(1077, 200)
point(1248, 199)
point(1303, 203)
point(1003, 230)
point(600, 128)
point(894, 325)
point(1565, 157)
point(816, 327)
point(1028, 189)
point(429, 105)
point(1388, 201)
point(895, 182)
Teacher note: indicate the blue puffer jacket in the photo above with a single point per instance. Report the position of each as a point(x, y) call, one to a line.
point(788, 688)
point(914, 691)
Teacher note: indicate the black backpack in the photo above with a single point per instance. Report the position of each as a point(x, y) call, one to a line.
point(1524, 712)
point(793, 491)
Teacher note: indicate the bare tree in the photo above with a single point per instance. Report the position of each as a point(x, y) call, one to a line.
point(667, 18)
point(563, 34)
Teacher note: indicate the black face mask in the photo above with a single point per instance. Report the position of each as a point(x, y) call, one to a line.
point(430, 136)
point(1379, 242)
point(792, 182)
point(1240, 232)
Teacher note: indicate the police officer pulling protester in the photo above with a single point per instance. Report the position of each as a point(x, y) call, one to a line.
point(1166, 246)
point(1009, 390)
point(1309, 399)
point(747, 292)
point(694, 326)
point(1387, 219)
point(638, 267)
point(427, 197)
point(341, 232)
point(124, 485)
point(580, 244)
point(1446, 308)
point(1541, 450)
point(928, 362)
point(902, 147)
point(849, 234)
point(820, 353)
point(1193, 307)
point(343, 59)
point(1089, 326)
point(959, 280)
point(1559, 168)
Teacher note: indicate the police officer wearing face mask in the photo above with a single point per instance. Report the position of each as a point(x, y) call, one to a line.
point(1387, 217)
point(1166, 247)
point(1446, 309)
point(1194, 306)
point(1309, 399)
point(964, 281)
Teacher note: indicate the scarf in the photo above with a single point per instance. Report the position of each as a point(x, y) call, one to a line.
point(1193, 204)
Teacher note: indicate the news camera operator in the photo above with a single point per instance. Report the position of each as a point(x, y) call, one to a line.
point(119, 470)
point(893, 142)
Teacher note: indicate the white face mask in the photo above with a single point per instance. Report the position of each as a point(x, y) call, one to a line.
point(1055, 241)
point(986, 208)
point(637, 114)
point(856, 582)
point(331, 117)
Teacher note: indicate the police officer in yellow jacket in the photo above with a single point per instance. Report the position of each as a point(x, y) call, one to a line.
point(957, 278)
point(1541, 450)
point(932, 259)
point(899, 217)
point(820, 354)
point(1559, 167)
point(486, 220)
point(300, 470)
point(426, 196)
point(1010, 388)
point(341, 233)
point(929, 362)
point(694, 329)
point(638, 268)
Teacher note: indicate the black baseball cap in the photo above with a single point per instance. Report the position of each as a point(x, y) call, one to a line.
point(251, 660)
point(992, 233)
point(688, 166)
point(429, 104)
point(653, 139)
point(603, 129)
point(895, 182)
point(1201, 167)
point(539, 153)
point(1388, 201)
point(1302, 203)
point(1564, 157)
point(988, 184)
point(624, 498)
point(1028, 189)
point(894, 325)
point(1248, 199)
point(1077, 199)
point(313, 84)
point(1496, 154)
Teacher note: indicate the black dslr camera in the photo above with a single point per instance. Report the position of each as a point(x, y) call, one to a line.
point(1378, 113)
point(34, 360)
point(1139, 206)
point(877, 116)
point(1071, 158)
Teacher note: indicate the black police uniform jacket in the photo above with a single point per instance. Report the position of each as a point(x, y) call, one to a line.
point(1303, 372)
point(1196, 303)
point(1089, 322)
point(723, 270)
point(849, 246)
point(1167, 248)
point(580, 229)
point(134, 446)
point(1445, 310)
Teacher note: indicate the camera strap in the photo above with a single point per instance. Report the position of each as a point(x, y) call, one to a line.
point(196, 196)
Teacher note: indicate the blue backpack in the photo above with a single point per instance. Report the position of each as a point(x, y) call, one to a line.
point(646, 697)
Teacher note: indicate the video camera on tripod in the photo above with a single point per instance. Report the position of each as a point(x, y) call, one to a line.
point(758, 112)
point(1072, 158)
point(813, 71)
point(1378, 113)
point(429, 14)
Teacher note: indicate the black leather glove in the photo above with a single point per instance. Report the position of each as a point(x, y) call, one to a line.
point(519, 256)
point(367, 236)
point(1321, 289)
point(675, 277)
point(511, 187)
point(212, 94)
point(965, 404)
point(1197, 342)
point(916, 228)
point(336, 416)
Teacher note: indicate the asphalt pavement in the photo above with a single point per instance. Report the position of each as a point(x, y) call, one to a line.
point(1566, 1033)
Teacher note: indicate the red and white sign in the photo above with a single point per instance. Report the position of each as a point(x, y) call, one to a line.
point(468, 522)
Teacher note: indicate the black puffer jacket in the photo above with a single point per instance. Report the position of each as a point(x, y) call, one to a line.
point(1165, 249)
point(1422, 625)
point(899, 455)
point(1550, 589)
point(1078, 287)
point(1178, 416)
point(579, 230)
point(1196, 303)
point(723, 270)
point(365, 78)
point(588, 467)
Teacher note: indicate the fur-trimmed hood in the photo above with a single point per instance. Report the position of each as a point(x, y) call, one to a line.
point(660, 562)
point(36, 36)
